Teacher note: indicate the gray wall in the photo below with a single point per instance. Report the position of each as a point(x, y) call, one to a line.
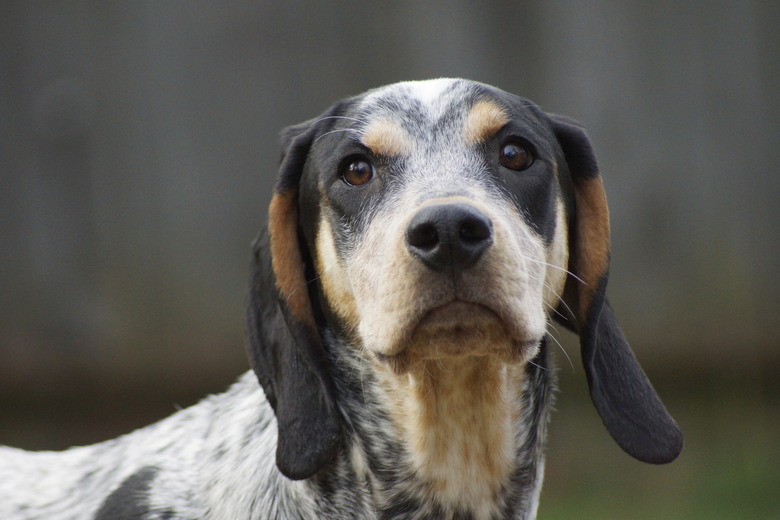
point(138, 146)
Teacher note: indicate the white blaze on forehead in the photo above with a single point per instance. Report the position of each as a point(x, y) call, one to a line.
point(428, 93)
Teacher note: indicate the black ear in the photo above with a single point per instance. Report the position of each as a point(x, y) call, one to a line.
point(285, 347)
point(623, 396)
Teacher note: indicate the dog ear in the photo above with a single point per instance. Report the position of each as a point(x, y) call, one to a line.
point(284, 343)
point(621, 392)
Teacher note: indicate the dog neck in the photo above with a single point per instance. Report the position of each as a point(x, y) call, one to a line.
point(463, 436)
point(459, 418)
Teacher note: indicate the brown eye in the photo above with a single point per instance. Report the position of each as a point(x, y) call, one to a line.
point(515, 156)
point(357, 171)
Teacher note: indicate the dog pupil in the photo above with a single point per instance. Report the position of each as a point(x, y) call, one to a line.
point(359, 172)
point(513, 156)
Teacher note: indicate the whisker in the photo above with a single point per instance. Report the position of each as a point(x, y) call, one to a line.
point(565, 306)
point(547, 264)
point(555, 310)
point(571, 364)
point(336, 131)
point(357, 120)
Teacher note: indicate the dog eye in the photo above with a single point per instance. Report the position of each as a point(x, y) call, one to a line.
point(357, 171)
point(515, 156)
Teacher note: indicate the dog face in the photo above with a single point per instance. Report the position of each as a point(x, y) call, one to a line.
point(437, 218)
point(429, 220)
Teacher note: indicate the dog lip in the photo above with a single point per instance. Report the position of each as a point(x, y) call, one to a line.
point(469, 310)
point(462, 320)
point(464, 314)
point(400, 362)
point(456, 305)
point(454, 314)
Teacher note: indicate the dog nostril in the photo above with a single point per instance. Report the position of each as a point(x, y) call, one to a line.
point(423, 236)
point(475, 230)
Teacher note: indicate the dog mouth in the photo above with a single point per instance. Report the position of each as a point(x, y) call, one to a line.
point(456, 329)
point(458, 318)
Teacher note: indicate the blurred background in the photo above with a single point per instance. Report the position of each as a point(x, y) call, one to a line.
point(138, 146)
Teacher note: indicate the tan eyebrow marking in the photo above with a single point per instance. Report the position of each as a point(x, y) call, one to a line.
point(484, 119)
point(386, 137)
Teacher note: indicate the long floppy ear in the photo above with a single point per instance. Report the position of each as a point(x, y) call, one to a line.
point(623, 396)
point(285, 348)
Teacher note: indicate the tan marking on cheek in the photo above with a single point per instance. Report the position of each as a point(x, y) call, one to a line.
point(484, 119)
point(592, 238)
point(383, 276)
point(386, 137)
point(557, 260)
point(335, 281)
point(286, 258)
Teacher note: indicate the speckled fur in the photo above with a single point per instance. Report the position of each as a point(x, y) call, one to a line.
point(451, 432)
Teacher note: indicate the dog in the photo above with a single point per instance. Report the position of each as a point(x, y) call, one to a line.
point(421, 240)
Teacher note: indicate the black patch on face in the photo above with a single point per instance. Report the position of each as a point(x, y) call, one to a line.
point(534, 191)
point(130, 500)
point(325, 195)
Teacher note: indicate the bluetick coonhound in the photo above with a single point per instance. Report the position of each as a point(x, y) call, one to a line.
point(421, 238)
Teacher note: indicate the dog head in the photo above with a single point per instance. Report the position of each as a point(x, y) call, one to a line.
point(436, 219)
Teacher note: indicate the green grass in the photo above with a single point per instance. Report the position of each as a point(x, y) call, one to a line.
point(729, 469)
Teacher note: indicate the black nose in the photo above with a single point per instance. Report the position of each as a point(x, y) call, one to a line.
point(449, 236)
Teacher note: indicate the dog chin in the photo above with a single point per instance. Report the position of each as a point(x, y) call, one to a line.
point(458, 330)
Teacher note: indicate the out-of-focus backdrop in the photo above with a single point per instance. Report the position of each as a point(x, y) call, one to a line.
point(138, 145)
